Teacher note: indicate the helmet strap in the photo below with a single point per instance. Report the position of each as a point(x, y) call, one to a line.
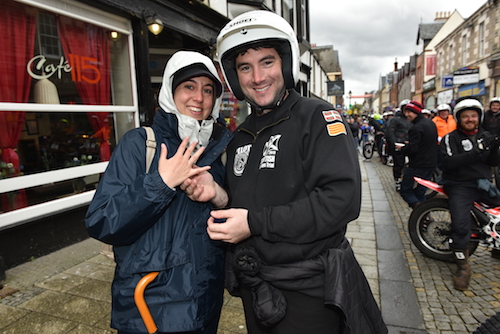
point(260, 110)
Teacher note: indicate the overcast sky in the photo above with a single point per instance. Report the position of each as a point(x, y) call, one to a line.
point(369, 35)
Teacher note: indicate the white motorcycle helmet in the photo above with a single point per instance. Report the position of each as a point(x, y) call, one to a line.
point(468, 104)
point(258, 28)
point(444, 106)
point(495, 99)
point(403, 103)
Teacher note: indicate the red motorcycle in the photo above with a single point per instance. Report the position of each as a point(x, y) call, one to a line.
point(430, 223)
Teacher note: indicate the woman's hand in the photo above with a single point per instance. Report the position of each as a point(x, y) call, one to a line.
point(180, 166)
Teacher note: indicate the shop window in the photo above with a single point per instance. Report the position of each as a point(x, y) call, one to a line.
point(75, 80)
point(48, 36)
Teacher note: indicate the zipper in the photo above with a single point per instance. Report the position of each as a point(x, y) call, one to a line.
point(255, 135)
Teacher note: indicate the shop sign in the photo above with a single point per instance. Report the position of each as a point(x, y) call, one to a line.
point(429, 85)
point(417, 97)
point(476, 89)
point(80, 64)
point(445, 96)
point(447, 81)
point(335, 88)
point(466, 75)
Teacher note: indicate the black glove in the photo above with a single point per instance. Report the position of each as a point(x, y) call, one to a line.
point(487, 141)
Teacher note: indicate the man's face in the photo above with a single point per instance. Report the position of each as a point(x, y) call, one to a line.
point(469, 120)
point(260, 76)
point(443, 114)
point(495, 107)
point(410, 115)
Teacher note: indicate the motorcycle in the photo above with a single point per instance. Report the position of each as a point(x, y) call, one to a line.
point(429, 225)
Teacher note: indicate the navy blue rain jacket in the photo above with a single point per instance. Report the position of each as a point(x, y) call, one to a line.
point(154, 228)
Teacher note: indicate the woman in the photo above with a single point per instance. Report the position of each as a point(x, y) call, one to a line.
point(157, 221)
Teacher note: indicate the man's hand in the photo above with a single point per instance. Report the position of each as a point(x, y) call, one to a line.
point(181, 166)
point(202, 188)
point(233, 230)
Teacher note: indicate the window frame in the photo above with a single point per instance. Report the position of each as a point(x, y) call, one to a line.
point(481, 39)
point(91, 15)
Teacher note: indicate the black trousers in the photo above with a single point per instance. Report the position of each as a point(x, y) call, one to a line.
point(399, 163)
point(304, 314)
point(461, 199)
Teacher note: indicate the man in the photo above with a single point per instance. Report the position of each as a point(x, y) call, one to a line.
point(294, 183)
point(376, 122)
point(468, 152)
point(492, 117)
point(421, 149)
point(397, 132)
point(427, 113)
point(444, 122)
point(354, 126)
point(387, 118)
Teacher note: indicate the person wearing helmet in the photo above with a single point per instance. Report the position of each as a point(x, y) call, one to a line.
point(156, 219)
point(421, 149)
point(491, 121)
point(468, 152)
point(427, 113)
point(445, 123)
point(397, 132)
point(376, 123)
point(294, 182)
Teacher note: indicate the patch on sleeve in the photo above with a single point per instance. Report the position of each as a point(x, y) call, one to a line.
point(336, 129)
point(332, 115)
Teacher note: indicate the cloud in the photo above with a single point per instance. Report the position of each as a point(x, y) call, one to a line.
point(369, 35)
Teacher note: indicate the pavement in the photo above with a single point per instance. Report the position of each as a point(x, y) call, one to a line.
point(68, 291)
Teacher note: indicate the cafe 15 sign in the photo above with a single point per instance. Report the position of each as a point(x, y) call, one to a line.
point(80, 63)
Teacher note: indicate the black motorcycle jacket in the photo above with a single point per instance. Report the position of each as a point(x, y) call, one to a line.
point(463, 158)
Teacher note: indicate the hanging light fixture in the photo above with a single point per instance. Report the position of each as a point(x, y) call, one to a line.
point(154, 24)
point(45, 91)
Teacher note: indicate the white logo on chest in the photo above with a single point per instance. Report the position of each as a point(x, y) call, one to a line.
point(467, 145)
point(269, 152)
point(241, 159)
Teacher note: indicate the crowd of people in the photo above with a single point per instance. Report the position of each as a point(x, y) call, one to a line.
point(454, 146)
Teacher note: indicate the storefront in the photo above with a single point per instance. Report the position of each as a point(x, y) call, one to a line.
point(67, 93)
point(74, 80)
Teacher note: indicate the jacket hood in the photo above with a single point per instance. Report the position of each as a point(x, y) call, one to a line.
point(179, 60)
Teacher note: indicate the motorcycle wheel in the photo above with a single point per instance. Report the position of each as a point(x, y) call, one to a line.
point(368, 150)
point(429, 227)
point(490, 326)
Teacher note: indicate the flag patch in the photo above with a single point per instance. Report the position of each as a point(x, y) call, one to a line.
point(336, 129)
point(331, 115)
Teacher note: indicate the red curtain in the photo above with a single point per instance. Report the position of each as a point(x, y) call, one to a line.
point(87, 49)
point(18, 26)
